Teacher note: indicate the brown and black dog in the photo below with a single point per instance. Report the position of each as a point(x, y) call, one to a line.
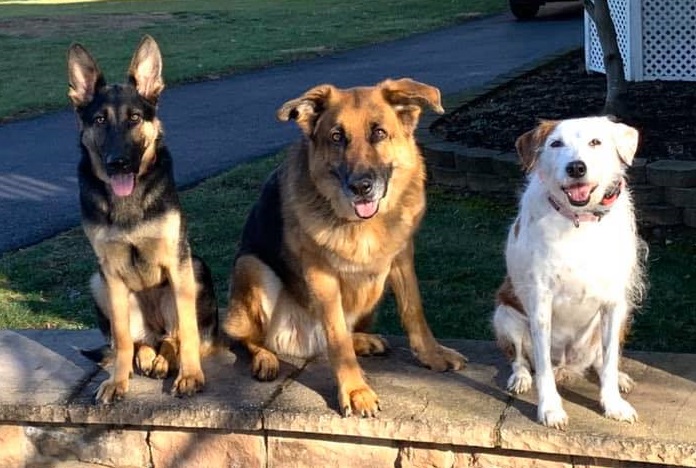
point(155, 300)
point(334, 224)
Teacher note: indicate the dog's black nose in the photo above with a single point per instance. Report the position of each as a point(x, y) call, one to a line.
point(576, 169)
point(361, 185)
point(117, 165)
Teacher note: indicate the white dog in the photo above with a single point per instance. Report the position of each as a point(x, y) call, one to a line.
point(574, 264)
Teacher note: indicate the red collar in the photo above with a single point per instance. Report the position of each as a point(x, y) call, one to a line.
point(590, 216)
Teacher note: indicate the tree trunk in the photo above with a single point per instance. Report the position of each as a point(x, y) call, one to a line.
point(616, 101)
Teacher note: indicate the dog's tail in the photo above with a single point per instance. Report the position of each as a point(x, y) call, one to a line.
point(102, 355)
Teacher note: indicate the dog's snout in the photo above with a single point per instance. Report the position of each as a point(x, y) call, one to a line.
point(576, 169)
point(361, 185)
point(118, 164)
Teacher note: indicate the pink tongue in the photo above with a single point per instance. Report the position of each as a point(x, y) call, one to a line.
point(122, 184)
point(579, 193)
point(366, 209)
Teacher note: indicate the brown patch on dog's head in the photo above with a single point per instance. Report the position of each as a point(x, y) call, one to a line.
point(363, 153)
point(529, 143)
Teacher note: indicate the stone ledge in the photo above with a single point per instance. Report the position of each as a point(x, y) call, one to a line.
point(462, 418)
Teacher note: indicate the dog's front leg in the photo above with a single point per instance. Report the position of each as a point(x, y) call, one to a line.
point(615, 406)
point(190, 379)
point(550, 411)
point(404, 284)
point(354, 395)
point(116, 386)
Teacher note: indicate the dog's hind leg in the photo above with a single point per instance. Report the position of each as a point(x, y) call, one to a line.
point(254, 292)
point(512, 331)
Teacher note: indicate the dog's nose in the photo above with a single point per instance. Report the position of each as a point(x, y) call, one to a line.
point(118, 164)
point(361, 185)
point(576, 169)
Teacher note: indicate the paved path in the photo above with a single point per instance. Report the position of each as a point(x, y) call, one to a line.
point(214, 125)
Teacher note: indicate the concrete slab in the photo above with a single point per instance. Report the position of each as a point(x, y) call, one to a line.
point(232, 398)
point(41, 370)
point(461, 407)
point(663, 397)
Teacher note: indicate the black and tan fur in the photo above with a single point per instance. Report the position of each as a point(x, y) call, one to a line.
point(333, 226)
point(156, 302)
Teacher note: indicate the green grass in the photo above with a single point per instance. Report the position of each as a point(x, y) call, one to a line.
point(199, 38)
point(459, 258)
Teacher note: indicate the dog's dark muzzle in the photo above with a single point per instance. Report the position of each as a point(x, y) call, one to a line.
point(364, 188)
point(118, 165)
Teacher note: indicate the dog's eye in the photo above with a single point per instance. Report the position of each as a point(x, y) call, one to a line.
point(337, 136)
point(557, 144)
point(379, 134)
point(595, 142)
point(135, 118)
point(100, 120)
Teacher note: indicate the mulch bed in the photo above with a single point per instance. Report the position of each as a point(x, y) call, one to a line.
point(663, 111)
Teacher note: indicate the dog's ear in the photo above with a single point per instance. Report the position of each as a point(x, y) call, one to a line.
point(408, 97)
point(145, 72)
point(626, 140)
point(529, 144)
point(84, 76)
point(306, 109)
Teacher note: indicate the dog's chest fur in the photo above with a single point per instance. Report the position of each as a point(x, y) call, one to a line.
point(582, 269)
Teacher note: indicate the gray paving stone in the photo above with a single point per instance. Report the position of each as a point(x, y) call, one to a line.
point(664, 433)
point(440, 154)
point(637, 172)
point(231, 399)
point(417, 404)
point(660, 215)
point(672, 173)
point(448, 177)
point(490, 183)
point(41, 370)
point(647, 194)
point(477, 160)
point(507, 165)
point(683, 197)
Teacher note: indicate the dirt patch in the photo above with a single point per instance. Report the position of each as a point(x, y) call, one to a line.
point(663, 111)
point(48, 26)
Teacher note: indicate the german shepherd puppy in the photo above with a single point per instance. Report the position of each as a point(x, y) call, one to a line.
point(150, 292)
point(334, 224)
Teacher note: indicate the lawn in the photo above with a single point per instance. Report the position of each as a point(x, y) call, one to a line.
point(458, 258)
point(200, 39)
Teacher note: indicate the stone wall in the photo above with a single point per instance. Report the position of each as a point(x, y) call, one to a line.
point(428, 419)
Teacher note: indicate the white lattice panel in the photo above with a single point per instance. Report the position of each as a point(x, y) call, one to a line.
point(657, 39)
point(621, 16)
point(669, 39)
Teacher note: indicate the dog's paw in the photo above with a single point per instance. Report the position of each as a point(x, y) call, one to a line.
point(265, 365)
point(110, 391)
point(160, 367)
point(367, 344)
point(188, 383)
point(553, 416)
point(144, 360)
point(626, 383)
point(441, 358)
point(361, 401)
point(519, 382)
point(619, 409)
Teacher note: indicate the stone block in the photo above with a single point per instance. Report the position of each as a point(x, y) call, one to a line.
point(672, 173)
point(637, 172)
point(440, 154)
point(683, 197)
point(507, 459)
point(489, 183)
point(209, 449)
point(478, 160)
point(100, 445)
point(507, 165)
point(353, 452)
point(13, 446)
point(660, 215)
point(449, 177)
point(421, 456)
point(690, 217)
point(647, 194)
